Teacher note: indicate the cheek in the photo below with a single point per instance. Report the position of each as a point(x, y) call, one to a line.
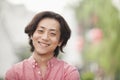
point(34, 39)
point(35, 36)
point(56, 41)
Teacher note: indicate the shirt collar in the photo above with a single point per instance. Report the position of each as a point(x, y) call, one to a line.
point(50, 63)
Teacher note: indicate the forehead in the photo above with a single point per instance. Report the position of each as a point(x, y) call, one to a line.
point(49, 23)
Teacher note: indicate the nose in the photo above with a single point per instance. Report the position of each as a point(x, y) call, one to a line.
point(45, 36)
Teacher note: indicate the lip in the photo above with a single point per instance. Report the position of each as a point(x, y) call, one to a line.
point(43, 44)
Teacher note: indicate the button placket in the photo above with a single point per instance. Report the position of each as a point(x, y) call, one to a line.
point(39, 72)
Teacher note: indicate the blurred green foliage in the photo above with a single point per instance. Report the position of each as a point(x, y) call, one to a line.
point(107, 52)
point(87, 76)
point(1, 79)
point(23, 52)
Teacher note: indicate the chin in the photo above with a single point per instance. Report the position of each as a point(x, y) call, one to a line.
point(41, 52)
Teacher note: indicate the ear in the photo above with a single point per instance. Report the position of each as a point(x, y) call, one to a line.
point(60, 43)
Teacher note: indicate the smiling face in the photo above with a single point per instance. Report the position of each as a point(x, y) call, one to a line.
point(46, 37)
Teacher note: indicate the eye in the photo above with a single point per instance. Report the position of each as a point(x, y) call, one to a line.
point(40, 31)
point(53, 34)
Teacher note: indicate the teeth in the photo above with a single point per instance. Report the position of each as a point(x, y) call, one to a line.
point(43, 44)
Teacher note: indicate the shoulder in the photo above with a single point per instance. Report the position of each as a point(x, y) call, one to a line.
point(15, 71)
point(19, 65)
point(70, 71)
point(69, 68)
point(66, 65)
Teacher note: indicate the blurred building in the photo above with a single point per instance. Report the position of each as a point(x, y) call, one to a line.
point(13, 19)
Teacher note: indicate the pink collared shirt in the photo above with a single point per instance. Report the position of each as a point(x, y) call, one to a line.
point(28, 70)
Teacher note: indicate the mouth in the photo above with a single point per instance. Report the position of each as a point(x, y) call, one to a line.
point(43, 44)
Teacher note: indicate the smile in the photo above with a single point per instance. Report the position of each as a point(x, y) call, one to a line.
point(43, 44)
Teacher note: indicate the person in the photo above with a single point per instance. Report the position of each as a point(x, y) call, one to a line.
point(48, 33)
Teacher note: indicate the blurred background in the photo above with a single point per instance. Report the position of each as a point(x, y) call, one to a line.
point(94, 47)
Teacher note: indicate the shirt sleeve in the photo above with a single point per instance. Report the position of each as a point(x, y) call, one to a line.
point(10, 75)
point(72, 74)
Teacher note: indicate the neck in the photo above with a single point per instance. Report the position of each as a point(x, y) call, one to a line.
point(42, 58)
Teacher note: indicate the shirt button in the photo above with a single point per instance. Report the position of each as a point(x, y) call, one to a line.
point(34, 61)
point(33, 66)
point(39, 72)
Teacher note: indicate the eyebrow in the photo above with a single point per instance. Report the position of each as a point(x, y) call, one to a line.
point(42, 27)
point(52, 29)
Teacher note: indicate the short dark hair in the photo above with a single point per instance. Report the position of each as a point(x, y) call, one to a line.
point(64, 29)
